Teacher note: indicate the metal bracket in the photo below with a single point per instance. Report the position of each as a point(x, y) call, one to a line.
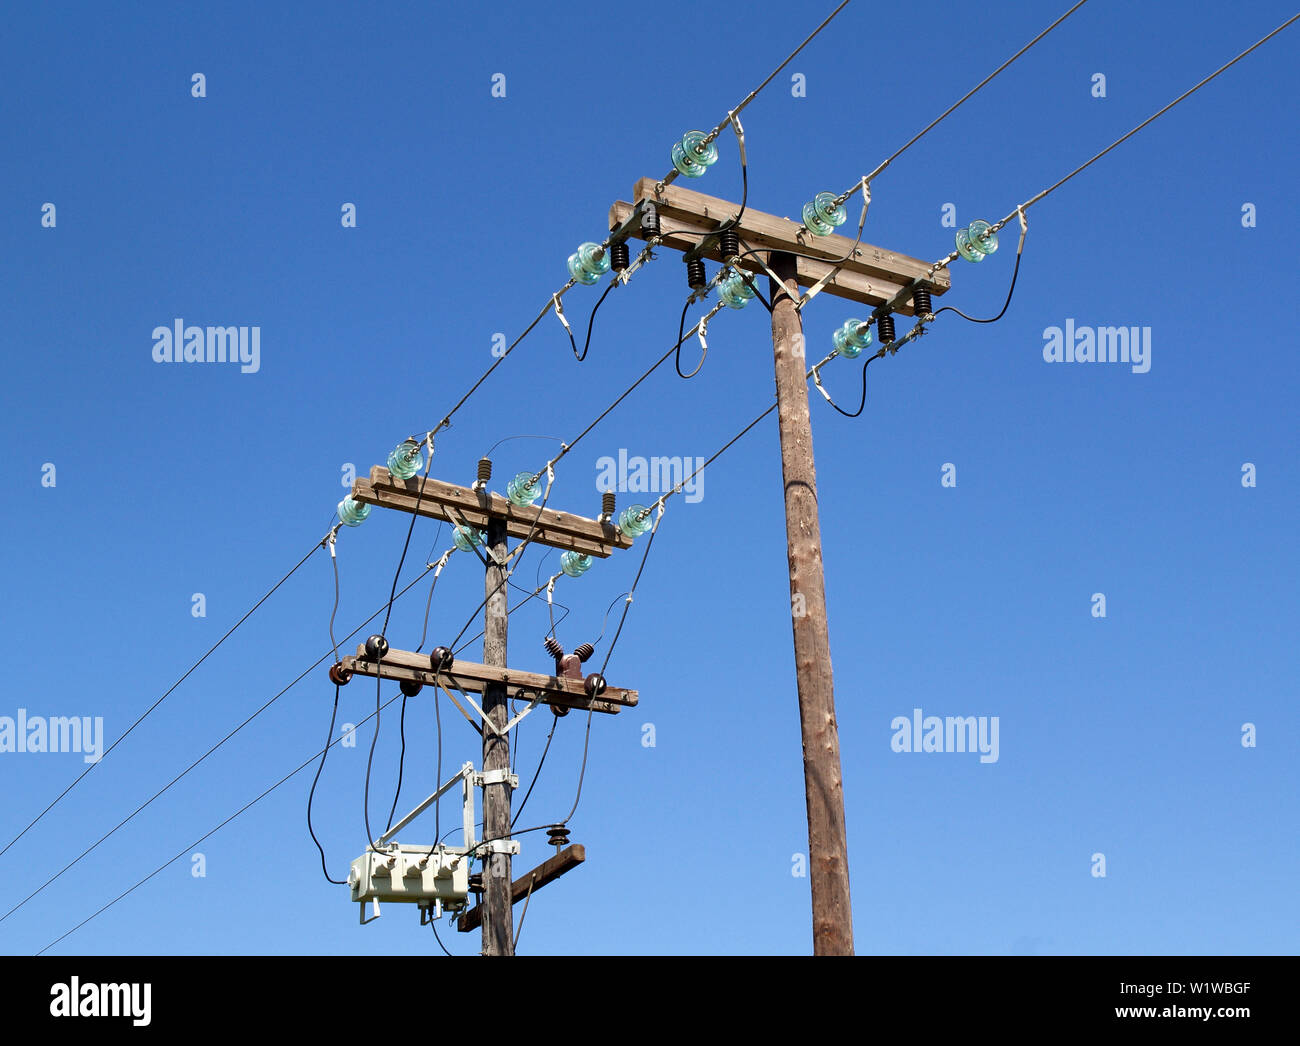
point(499, 846)
point(459, 707)
point(493, 777)
point(537, 699)
point(362, 913)
point(768, 269)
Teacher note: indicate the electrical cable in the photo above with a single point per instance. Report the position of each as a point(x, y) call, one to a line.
point(311, 795)
point(379, 661)
point(514, 946)
point(434, 924)
point(865, 182)
point(526, 435)
point(401, 762)
point(536, 773)
point(668, 179)
point(973, 319)
point(190, 849)
point(518, 549)
point(149, 710)
point(184, 773)
point(704, 352)
point(590, 321)
point(862, 404)
point(1119, 141)
point(955, 105)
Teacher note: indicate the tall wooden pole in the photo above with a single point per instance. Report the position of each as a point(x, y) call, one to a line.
point(823, 785)
point(498, 914)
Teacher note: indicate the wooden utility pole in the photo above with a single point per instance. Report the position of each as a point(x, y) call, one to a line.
point(498, 684)
point(498, 907)
point(688, 221)
point(823, 782)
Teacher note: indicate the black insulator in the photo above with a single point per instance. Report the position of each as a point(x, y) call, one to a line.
point(441, 658)
point(557, 837)
point(885, 328)
point(376, 647)
point(484, 469)
point(650, 221)
point(620, 257)
point(695, 277)
point(559, 711)
point(411, 687)
point(584, 651)
point(729, 243)
point(607, 503)
point(339, 675)
point(553, 647)
point(921, 300)
point(594, 684)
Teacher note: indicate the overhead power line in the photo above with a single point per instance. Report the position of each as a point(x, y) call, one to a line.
point(148, 711)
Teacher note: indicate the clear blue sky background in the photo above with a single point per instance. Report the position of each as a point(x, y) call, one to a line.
point(1119, 736)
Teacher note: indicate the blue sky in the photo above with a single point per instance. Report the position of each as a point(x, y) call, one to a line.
point(1119, 735)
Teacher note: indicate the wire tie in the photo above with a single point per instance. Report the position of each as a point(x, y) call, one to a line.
point(559, 311)
point(817, 380)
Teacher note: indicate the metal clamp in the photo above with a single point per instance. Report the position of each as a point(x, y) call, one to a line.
point(493, 777)
point(499, 846)
point(559, 311)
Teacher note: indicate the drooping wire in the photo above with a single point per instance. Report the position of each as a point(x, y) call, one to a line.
point(863, 402)
point(567, 447)
point(434, 924)
point(526, 435)
point(581, 356)
point(974, 319)
point(370, 759)
point(127, 733)
point(682, 337)
point(401, 762)
point(311, 795)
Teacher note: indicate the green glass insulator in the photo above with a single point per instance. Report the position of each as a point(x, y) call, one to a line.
point(694, 154)
point(575, 564)
point(589, 263)
point(852, 338)
point(982, 237)
point(634, 520)
point(967, 249)
point(524, 489)
point(822, 215)
point(406, 460)
point(466, 538)
point(352, 512)
point(734, 292)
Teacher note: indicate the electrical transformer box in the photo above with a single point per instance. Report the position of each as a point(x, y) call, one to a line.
point(412, 874)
